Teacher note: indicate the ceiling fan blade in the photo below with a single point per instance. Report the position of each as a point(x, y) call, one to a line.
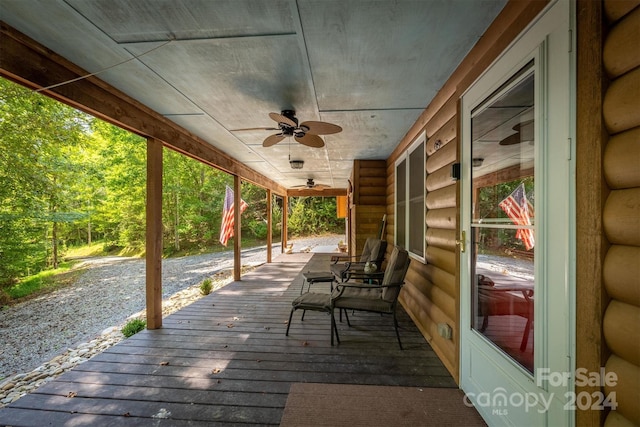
point(310, 140)
point(273, 140)
point(511, 139)
point(321, 128)
point(282, 119)
point(244, 129)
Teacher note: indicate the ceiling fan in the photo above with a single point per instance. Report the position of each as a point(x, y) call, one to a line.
point(311, 184)
point(306, 133)
point(524, 132)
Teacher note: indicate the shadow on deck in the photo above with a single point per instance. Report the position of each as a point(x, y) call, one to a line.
point(225, 359)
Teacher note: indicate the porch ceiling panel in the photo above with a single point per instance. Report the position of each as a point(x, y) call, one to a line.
point(214, 67)
point(372, 54)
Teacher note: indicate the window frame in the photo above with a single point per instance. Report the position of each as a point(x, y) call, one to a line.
point(405, 158)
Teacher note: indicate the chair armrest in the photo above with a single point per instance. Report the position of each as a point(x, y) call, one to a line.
point(339, 289)
point(354, 264)
point(343, 258)
point(376, 276)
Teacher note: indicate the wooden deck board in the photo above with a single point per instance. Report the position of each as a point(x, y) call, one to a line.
point(225, 360)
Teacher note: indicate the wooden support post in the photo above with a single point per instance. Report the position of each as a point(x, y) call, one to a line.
point(269, 225)
point(591, 192)
point(237, 244)
point(285, 214)
point(154, 234)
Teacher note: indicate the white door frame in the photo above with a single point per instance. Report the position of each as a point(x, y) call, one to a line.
point(503, 392)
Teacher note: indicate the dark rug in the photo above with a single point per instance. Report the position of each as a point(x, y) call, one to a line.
point(362, 405)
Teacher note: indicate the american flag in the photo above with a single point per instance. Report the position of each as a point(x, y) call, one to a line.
point(518, 208)
point(226, 228)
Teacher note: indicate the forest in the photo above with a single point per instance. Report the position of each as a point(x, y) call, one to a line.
point(68, 179)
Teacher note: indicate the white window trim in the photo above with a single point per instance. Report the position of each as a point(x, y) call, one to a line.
point(404, 157)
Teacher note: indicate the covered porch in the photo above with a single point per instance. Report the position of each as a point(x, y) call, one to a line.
point(226, 359)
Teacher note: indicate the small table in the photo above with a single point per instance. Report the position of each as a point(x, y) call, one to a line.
point(313, 277)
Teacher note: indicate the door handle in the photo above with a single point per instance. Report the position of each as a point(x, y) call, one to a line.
point(461, 242)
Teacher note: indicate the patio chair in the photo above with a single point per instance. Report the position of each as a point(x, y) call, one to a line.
point(373, 251)
point(510, 300)
point(374, 298)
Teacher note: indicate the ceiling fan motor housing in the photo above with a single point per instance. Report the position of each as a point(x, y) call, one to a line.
point(286, 128)
point(305, 133)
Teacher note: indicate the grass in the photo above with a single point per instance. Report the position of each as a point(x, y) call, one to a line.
point(133, 326)
point(206, 286)
point(95, 249)
point(45, 281)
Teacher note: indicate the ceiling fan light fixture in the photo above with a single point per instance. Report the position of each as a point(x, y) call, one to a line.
point(296, 164)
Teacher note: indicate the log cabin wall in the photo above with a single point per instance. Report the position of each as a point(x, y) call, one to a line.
point(621, 211)
point(367, 198)
point(431, 294)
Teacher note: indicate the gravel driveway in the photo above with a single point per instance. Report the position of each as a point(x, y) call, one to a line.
point(111, 290)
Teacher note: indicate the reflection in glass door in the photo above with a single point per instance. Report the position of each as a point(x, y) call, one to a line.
point(502, 221)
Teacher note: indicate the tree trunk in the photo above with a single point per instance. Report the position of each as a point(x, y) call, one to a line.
point(176, 243)
point(54, 245)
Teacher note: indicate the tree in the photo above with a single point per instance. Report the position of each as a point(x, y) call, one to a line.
point(37, 137)
point(119, 213)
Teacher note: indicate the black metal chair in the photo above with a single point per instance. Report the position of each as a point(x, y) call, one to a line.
point(381, 298)
point(373, 252)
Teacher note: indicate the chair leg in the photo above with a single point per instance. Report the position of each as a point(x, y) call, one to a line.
point(485, 323)
point(303, 312)
point(289, 323)
point(335, 328)
point(347, 317)
point(525, 335)
point(395, 323)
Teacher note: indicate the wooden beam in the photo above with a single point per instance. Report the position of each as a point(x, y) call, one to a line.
point(508, 174)
point(328, 192)
point(285, 214)
point(591, 194)
point(154, 235)
point(237, 240)
point(27, 62)
point(269, 225)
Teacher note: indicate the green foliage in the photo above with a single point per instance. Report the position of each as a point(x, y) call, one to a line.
point(47, 280)
point(41, 141)
point(133, 326)
point(314, 215)
point(206, 286)
point(258, 228)
point(68, 180)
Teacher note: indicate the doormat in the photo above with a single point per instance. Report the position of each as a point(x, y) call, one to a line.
point(311, 404)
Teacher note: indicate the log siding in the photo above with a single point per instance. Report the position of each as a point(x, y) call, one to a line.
point(621, 210)
point(432, 291)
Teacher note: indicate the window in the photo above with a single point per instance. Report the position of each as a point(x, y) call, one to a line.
point(503, 219)
point(410, 199)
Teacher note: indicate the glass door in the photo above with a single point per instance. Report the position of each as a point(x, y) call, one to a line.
point(516, 209)
point(502, 222)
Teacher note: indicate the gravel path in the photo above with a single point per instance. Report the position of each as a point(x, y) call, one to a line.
point(111, 290)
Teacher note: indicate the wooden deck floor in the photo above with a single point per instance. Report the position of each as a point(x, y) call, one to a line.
point(225, 360)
